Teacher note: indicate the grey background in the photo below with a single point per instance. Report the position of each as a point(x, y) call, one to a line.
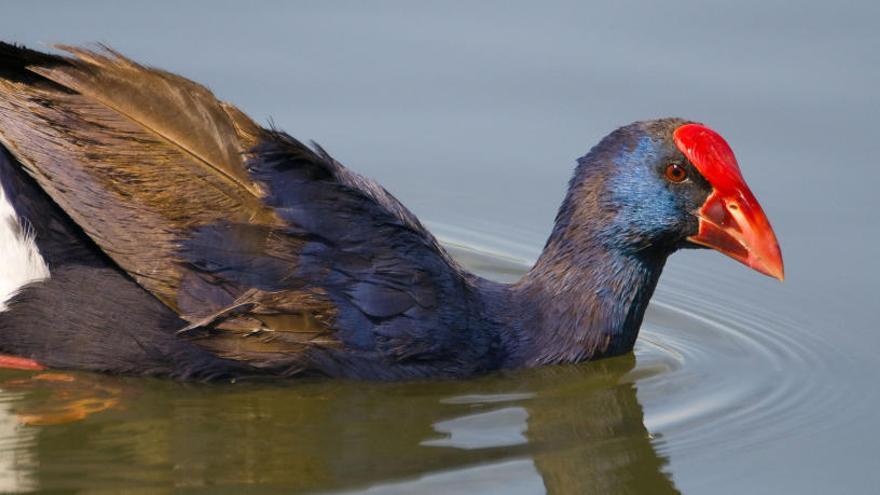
point(473, 113)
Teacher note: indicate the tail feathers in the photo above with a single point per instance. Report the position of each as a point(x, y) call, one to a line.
point(114, 327)
point(16, 60)
point(22, 263)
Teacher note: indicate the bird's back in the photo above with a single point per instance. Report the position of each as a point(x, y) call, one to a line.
point(262, 251)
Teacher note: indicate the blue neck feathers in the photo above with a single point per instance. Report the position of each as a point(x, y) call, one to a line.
point(588, 292)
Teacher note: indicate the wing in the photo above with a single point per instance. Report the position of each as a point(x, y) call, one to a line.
point(269, 249)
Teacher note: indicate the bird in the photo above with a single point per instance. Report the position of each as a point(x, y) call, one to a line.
point(159, 231)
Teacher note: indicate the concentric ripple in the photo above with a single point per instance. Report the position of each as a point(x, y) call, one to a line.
point(717, 373)
point(744, 376)
point(714, 374)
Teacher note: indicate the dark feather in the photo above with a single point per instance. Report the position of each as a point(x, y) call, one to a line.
point(126, 331)
point(134, 155)
point(214, 247)
point(271, 252)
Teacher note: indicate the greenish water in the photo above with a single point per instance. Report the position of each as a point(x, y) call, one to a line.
point(472, 113)
point(701, 382)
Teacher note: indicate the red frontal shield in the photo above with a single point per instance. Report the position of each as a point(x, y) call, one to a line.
point(731, 220)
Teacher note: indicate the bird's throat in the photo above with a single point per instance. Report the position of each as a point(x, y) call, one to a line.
point(583, 304)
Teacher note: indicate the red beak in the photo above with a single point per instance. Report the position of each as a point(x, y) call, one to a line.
point(731, 220)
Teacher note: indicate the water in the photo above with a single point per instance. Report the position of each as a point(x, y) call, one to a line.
point(472, 115)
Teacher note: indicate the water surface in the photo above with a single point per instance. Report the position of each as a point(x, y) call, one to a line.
point(472, 114)
point(705, 382)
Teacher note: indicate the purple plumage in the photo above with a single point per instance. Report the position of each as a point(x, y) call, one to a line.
point(213, 247)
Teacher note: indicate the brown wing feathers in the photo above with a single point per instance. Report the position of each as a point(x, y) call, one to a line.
point(139, 157)
point(267, 248)
point(135, 156)
point(183, 113)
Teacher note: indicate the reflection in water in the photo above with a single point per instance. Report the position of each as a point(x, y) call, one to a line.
point(568, 429)
point(498, 428)
point(507, 477)
point(573, 429)
point(474, 121)
point(70, 397)
point(609, 450)
point(713, 377)
point(17, 460)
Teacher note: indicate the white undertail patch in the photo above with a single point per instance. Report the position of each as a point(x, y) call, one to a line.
point(20, 260)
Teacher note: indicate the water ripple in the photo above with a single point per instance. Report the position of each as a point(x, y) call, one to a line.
point(718, 373)
point(742, 376)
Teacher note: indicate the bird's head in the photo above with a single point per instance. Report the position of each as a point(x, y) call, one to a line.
point(665, 184)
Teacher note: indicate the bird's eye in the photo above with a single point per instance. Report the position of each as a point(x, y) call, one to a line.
point(675, 173)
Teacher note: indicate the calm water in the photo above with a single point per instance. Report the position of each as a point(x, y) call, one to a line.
point(473, 116)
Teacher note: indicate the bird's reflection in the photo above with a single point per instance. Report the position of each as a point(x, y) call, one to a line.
point(573, 429)
point(588, 433)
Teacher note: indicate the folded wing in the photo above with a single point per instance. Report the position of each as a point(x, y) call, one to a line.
point(269, 249)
